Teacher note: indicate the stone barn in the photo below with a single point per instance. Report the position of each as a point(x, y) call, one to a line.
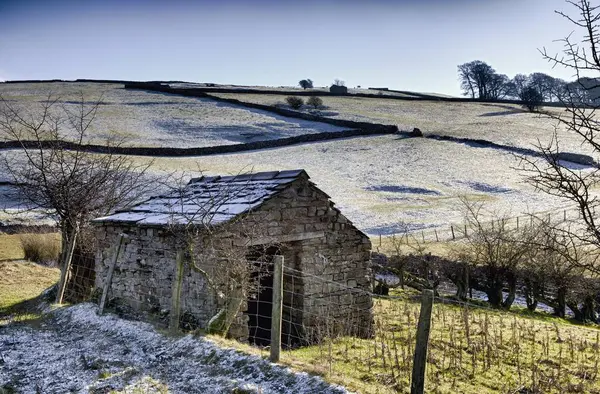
point(338, 89)
point(326, 259)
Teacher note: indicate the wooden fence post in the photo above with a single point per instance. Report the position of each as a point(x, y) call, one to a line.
point(452, 229)
point(436, 235)
point(109, 275)
point(175, 313)
point(64, 274)
point(417, 385)
point(277, 308)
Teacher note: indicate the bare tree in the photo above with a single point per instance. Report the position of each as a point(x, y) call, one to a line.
point(479, 80)
point(72, 186)
point(531, 98)
point(548, 173)
point(494, 251)
point(215, 247)
point(410, 265)
point(553, 266)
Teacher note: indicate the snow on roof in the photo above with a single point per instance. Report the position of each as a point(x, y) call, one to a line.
point(207, 200)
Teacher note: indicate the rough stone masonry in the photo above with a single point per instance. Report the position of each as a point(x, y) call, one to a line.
point(326, 270)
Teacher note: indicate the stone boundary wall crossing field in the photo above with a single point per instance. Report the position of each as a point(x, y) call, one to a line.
point(353, 129)
point(200, 92)
point(410, 96)
point(197, 151)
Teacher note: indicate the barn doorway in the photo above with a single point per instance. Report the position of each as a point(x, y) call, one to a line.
point(260, 302)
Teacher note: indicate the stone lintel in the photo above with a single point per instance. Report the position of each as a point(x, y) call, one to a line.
point(279, 238)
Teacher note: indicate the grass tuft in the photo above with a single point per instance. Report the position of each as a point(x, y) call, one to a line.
point(41, 248)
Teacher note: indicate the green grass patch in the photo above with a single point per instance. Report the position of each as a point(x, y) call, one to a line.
point(23, 281)
point(471, 350)
point(10, 247)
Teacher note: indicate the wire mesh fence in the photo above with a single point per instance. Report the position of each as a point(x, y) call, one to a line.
point(335, 326)
point(458, 231)
point(469, 346)
point(367, 341)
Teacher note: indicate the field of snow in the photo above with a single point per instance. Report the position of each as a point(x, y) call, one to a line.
point(154, 119)
point(386, 182)
point(506, 124)
point(77, 351)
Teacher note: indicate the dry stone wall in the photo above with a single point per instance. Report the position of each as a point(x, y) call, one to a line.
point(326, 258)
point(332, 271)
point(144, 274)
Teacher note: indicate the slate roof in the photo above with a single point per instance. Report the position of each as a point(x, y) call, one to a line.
point(207, 200)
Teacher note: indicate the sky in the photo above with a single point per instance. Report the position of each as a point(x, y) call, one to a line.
point(411, 45)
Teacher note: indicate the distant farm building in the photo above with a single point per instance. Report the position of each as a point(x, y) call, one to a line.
point(338, 89)
point(326, 271)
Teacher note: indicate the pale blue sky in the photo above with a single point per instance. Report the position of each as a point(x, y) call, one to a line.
point(409, 45)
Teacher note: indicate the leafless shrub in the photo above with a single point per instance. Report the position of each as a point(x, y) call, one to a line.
point(294, 102)
point(315, 102)
point(495, 251)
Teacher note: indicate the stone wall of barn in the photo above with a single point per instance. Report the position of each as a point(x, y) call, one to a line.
point(326, 279)
point(144, 274)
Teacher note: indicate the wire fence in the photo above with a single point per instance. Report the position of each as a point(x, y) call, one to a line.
point(335, 326)
point(357, 338)
point(459, 231)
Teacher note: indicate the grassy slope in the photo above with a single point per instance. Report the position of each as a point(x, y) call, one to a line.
point(502, 353)
point(10, 247)
point(361, 174)
point(141, 118)
point(500, 123)
point(22, 281)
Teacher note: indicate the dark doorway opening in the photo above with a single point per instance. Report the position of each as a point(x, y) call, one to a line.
point(260, 302)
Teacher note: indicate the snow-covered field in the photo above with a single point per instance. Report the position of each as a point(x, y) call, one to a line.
point(384, 182)
point(75, 351)
point(505, 124)
point(154, 119)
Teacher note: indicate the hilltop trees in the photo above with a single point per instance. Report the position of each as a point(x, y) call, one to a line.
point(306, 83)
point(531, 97)
point(479, 80)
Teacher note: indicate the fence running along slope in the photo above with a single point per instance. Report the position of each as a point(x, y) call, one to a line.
point(470, 347)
